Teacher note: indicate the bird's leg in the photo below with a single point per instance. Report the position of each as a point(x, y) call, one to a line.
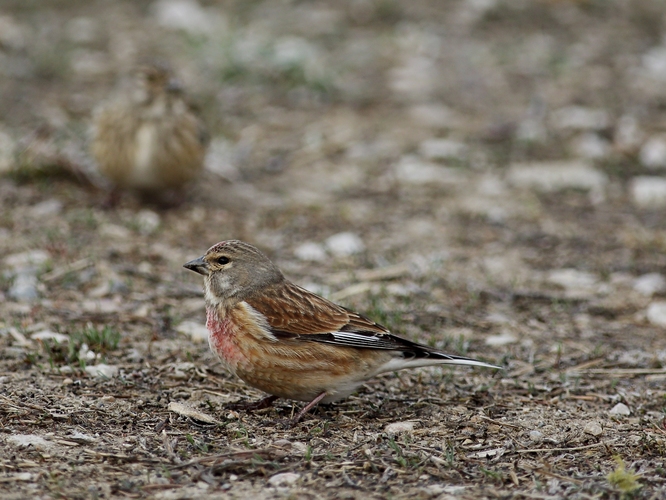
point(266, 402)
point(307, 408)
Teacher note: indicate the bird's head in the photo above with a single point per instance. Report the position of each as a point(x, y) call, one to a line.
point(234, 271)
point(154, 81)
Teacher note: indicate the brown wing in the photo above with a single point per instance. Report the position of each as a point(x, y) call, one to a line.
point(292, 310)
point(298, 316)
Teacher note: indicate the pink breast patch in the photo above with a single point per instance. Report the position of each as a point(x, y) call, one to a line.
point(222, 337)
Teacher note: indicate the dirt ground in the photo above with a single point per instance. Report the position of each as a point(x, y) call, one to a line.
point(483, 176)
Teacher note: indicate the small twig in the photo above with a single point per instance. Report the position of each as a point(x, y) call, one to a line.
point(263, 453)
point(622, 372)
point(536, 450)
point(168, 447)
point(504, 424)
point(78, 265)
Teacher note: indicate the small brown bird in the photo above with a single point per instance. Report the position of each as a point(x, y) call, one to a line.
point(292, 343)
point(148, 138)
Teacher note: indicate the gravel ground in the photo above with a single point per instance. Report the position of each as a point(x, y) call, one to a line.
point(488, 177)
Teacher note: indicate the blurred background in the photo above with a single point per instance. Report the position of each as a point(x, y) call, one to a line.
point(488, 176)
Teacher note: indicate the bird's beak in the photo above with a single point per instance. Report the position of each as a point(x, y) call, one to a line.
point(198, 266)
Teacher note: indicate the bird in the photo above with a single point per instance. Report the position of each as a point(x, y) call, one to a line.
point(292, 343)
point(148, 138)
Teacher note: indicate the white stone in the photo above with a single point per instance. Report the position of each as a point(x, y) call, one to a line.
point(196, 331)
point(344, 244)
point(536, 436)
point(289, 51)
point(654, 61)
point(186, 15)
point(13, 34)
point(591, 146)
point(648, 191)
point(628, 133)
point(284, 479)
point(620, 409)
point(80, 436)
point(415, 77)
point(310, 251)
point(557, 175)
point(580, 118)
point(656, 313)
point(102, 370)
point(398, 427)
point(572, 279)
point(454, 489)
point(46, 208)
point(32, 258)
point(49, 335)
point(593, 429)
point(653, 153)
point(25, 440)
point(649, 284)
point(412, 170)
point(504, 338)
point(100, 306)
point(443, 149)
point(24, 287)
point(148, 221)
point(115, 232)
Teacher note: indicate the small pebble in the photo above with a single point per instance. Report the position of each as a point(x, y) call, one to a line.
point(25, 440)
point(504, 338)
point(591, 146)
point(284, 479)
point(580, 118)
point(32, 258)
point(49, 335)
point(649, 284)
point(572, 279)
point(555, 176)
point(47, 207)
point(648, 191)
point(412, 170)
point(620, 409)
point(344, 244)
point(593, 429)
point(147, 221)
point(536, 436)
point(102, 370)
point(186, 15)
point(443, 149)
point(653, 153)
point(24, 287)
point(398, 427)
point(196, 331)
point(310, 251)
point(656, 313)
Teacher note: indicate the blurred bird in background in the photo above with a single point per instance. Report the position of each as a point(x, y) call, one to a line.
point(148, 139)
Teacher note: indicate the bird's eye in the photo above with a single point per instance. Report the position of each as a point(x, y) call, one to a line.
point(222, 260)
